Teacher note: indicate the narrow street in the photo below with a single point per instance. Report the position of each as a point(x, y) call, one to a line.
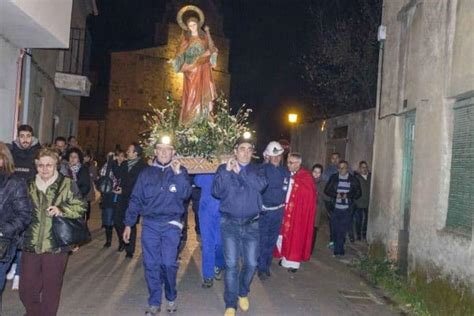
point(103, 282)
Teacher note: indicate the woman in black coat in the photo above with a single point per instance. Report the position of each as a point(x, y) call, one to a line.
point(78, 172)
point(15, 210)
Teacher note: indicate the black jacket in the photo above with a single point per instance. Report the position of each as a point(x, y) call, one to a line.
point(331, 190)
point(25, 159)
point(15, 206)
point(128, 178)
point(83, 181)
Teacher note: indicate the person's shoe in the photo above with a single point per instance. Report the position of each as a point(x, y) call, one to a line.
point(207, 283)
point(292, 270)
point(152, 310)
point(263, 275)
point(229, 311)
point(172, 307)
point(217, 273)
point(16, 283)
point(331, 245)
point(129, 255)
point(244, 303)
point(11, 272)
point(107, 244)
point(121, 248)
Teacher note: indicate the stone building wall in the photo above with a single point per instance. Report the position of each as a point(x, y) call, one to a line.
point(427, 68)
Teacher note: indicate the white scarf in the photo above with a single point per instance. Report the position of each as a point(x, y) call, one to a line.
point(44, 185)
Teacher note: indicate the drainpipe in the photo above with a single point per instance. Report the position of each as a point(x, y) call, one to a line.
point(26, 89)
point(17, 95)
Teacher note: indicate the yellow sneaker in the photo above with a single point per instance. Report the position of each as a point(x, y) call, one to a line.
point(244, 303)
point(229, 311)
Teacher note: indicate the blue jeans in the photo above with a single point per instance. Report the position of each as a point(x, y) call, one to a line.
point(360, 218)
point(4, 267)
point(269, 225)
point(209, 222)
point(240, 240)
point(341, 221)
point(108, 216)
point(160, 250)
point(17, 262)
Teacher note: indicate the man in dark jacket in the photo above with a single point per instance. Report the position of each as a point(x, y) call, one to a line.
point(128, 175)
point(343, 188)
point(238, 186)
point(158, 197)
point(24, 150)
point(273, 197)
point(362, 203)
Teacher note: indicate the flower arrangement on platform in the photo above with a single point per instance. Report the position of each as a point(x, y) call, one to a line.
point(206, 137)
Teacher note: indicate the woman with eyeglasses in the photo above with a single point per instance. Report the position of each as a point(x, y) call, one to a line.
point(43, 262)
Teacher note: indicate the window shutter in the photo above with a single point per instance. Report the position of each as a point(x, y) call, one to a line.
point(461, 190)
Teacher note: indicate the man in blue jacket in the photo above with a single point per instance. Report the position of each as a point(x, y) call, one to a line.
point(238, 185)
point(158, 196)
point(271, 217)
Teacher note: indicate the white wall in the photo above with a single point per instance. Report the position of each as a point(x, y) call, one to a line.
point(420, 67)
point(312, 142)
point(8, 76)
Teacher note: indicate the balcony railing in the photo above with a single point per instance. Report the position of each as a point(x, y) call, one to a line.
point(76, 59)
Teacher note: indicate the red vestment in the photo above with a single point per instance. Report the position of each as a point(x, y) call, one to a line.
point(298, 218)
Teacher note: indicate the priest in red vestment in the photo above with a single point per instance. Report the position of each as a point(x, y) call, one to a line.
point(294, 243)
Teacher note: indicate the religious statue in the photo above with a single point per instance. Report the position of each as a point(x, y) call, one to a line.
point(195, 58)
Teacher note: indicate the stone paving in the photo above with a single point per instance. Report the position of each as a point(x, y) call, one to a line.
point(102, 281)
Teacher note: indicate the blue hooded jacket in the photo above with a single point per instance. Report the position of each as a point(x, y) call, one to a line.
point(158, 195)
point(278, 179)
point(240, 194)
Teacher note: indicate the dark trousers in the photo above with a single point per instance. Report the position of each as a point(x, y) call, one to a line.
point(119, 216)
point(88, 211)
point(340, 223)
point(240, 239)
point(360, 218)
point(195, 198)
point(269, 225)
point(41, 281)
point(160, 246)
point(330, 209)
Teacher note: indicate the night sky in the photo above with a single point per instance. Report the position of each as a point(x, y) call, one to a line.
point(267, 37)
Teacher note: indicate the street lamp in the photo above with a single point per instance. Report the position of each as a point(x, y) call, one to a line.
point(247, 135)
point(293, 118)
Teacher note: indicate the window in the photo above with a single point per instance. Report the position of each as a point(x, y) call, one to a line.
point(340, 132)
point(461, 190)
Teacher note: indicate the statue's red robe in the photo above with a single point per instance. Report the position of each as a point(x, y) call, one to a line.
point(195, 61)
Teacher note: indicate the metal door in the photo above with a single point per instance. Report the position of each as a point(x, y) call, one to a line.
point(405, 201)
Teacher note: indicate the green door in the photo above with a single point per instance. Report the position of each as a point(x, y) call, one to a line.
point(405, 201)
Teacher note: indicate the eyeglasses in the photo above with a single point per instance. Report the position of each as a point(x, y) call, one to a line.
point(48, 166)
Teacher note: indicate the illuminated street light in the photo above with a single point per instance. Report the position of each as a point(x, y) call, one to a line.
point(292, 118)
point(247, 135)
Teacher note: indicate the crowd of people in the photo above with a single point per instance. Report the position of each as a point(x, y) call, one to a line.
point(246, 214)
